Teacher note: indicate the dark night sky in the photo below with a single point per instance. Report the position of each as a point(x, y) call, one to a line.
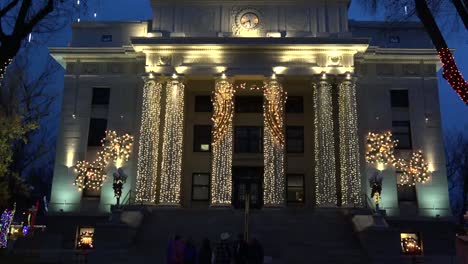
point(454, 111)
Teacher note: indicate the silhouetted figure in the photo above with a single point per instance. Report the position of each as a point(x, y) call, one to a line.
point(240, 250)
point(190, 252)
point(222, 253)
point(205, 254)
point(175, 251)
point(255, 252)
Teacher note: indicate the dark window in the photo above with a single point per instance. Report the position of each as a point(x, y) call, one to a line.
point(201, 187)
point(405, 193)
point(101, 96)
point(248, 140)
point(202, 138)
point(97, 131)
point(295, 139)
point(106, 38)
point(401, 131)
point(399, 98)
point(249, 104)
point(295, 192)
point(295, 104)
point(203, 103)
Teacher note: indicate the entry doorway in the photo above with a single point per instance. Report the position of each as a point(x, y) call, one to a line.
point(247, 180)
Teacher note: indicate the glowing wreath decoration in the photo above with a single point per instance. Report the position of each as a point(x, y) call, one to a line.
point(91, 175)
point(380, 148)
point(416, 170)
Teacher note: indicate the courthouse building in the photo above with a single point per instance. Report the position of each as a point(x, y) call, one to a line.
point(270, 98)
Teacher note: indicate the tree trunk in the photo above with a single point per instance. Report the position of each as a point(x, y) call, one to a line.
point(450, 72)
point(462, 11)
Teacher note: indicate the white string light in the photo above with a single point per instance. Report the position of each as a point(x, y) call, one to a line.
point(325, 178)
point(149, 142)
point(223, 113)
point(171, 170)
point(349, 144)
point(273, 141)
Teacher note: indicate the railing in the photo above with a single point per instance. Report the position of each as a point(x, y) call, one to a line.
point(128, 199)
point(369, 204)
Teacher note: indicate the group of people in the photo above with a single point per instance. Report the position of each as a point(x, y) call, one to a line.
point(239, 251)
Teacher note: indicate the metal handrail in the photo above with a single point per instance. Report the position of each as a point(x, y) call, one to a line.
point(127, 200)
point(369, 203)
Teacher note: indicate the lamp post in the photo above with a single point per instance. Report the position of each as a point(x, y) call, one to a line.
point(119, 179)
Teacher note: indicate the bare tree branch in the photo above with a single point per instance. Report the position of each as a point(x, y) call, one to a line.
point(7, 8)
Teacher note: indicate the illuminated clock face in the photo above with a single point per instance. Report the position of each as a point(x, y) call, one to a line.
point(249, 20)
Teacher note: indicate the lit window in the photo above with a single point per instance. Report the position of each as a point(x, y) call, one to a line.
point(410, 244)
point(201, 187)
point(85, 238)
point(202, 138)
point(295, 191)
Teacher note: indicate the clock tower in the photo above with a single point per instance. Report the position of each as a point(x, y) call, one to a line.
point(250, 18)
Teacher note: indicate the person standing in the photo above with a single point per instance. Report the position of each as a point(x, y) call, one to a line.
point(255, 252)
point(222, 253)
point(175, 251)
point(240, 250)
point(190, 252)
point(204, 255)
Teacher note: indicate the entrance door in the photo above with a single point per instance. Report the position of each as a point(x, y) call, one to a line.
point(247, 180)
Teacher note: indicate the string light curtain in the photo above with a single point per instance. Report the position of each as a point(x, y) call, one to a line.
point(349, 144)
point(171, 170)
point(221, 172)
point(147, 168)
point(325, 178)
point(274, 142)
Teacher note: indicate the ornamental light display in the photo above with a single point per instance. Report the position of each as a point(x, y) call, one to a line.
point(381, 149)
point(416, 170)
point(5, 222)
point(221, 165)
point(171, 169)
point(325, 169)
point(349, 145)
point(453, 75)
point(274, 143)
point(117, 149)
point(410, 246)
point(147, 168)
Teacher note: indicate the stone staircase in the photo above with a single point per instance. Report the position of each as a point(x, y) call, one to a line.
point(287, 235)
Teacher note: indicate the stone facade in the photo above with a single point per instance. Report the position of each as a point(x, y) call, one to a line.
point(339, 68)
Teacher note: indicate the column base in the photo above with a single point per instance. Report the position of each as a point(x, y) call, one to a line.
point(168, 205)
point(220, 206)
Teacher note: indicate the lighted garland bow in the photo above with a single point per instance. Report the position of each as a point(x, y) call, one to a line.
point(91, 175)
point(273, 108)
point(453, 75)
point(416, 170)
point(223, 109)
point(85, 240)
point(380, 148)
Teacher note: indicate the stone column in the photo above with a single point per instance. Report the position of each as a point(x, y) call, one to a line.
point(325, 167)
point(222, 143)
point(349, 144)
point(171, 160)
point(274, 181)
point(147, 167)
